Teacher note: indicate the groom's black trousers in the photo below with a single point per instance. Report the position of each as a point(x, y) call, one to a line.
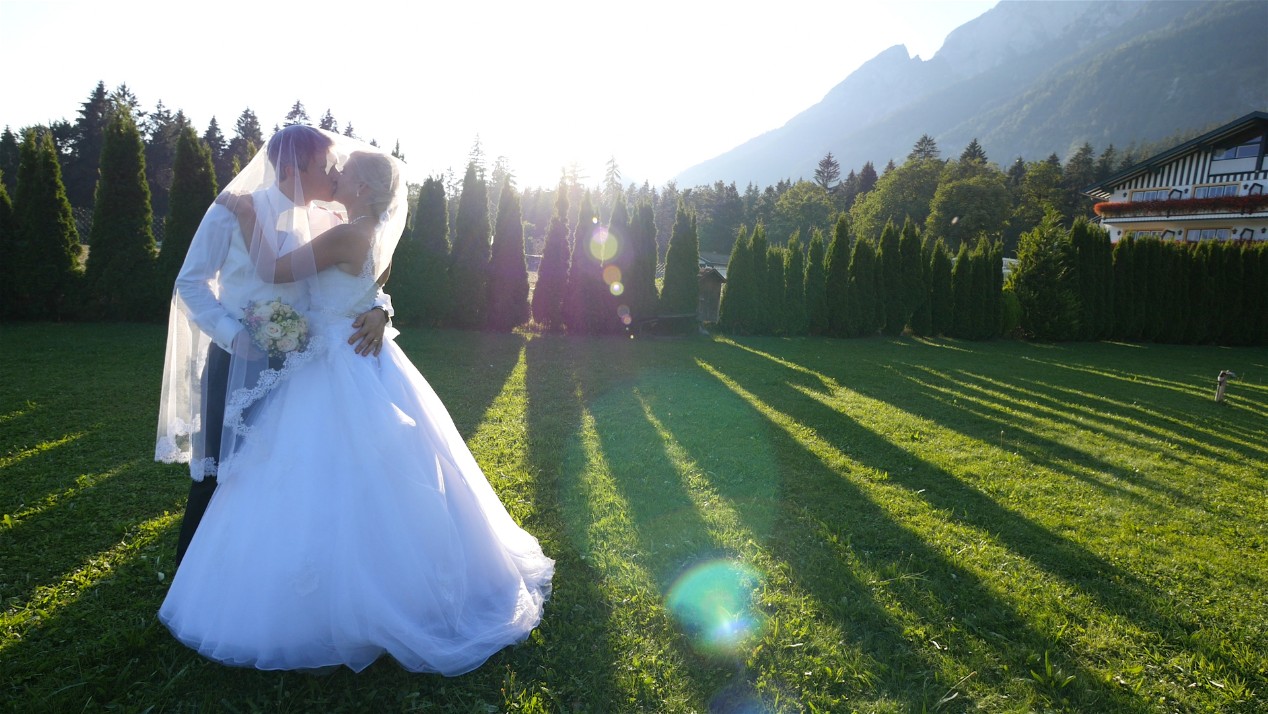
point(215, 383)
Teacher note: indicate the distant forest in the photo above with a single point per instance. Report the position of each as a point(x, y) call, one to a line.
point(954, 193)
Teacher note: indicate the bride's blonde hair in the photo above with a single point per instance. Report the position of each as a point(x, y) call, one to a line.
point(378, 174)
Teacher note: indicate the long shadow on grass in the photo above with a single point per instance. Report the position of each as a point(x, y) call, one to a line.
point(1114, 589)
point(951, 595)
point(579, 658)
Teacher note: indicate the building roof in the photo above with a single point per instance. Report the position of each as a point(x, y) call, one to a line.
point(1104, 189)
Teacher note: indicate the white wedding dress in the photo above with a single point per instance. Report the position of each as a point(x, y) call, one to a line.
point(353, 522)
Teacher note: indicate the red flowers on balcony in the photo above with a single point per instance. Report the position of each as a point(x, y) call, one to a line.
point(1183, 206)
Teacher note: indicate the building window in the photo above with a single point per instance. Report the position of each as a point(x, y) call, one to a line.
point(1246, 149)
point(1196, 234)
point(1153, 194)
point(1228, 189)
point(1148, 234)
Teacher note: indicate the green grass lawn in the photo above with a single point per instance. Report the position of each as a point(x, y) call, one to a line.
point(739, 526)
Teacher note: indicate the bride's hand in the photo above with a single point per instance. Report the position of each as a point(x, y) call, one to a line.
point(369, 326)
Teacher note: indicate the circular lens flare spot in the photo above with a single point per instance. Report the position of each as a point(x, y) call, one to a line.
point(623, 312)
point(713, 602)
point(611, 274)
point(603, 245)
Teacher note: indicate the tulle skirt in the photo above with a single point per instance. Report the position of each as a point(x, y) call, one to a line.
point(354, 522)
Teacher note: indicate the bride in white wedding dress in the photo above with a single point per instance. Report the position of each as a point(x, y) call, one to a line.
point(351, 519)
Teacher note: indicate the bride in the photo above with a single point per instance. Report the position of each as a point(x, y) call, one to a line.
point(351, 520)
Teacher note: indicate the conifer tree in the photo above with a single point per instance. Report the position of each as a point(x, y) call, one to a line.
point(419, 280)
point(836, 279)
point(962, 294)
point(1126, 324)
point(735, 314)
point(893, 298)
point(982, 319)
point(586, 296)
point(794, 320)
point(773, 299)
point(760, 313)
point(8, 240)
point(87, 137)
point(121, 257)
point(680, 292)
point(640, 275)
point(193, 190)
point(45, 266)
point(9, 159)
point(1043, 283)
point(922, 315)
point(865, 314)
point(552, 272)
point(815, 285)
point(470, 257)
point(941, 299)
point(911, 275)
point(615, 259)
point(508, 274)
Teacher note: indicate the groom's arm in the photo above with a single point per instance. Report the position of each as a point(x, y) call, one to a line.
point(206, 256)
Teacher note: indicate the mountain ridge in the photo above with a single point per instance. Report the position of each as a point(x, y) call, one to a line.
point(1026, 79)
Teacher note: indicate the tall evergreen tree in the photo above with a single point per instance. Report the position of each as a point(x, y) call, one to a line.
point(794, 319)
point(911, 274)
point(9, 157)
point(973, 153)
point(941, 298)
point(760, 312)
point(193, 190)
point(122, 251)
point(892, 295)
point(1043, 283)
point(508, 274)
point(248, 138)
point(962, 297)
point(216, 143)
point(45, 267)
point(8, 241)
point(739, 299)
point(86, 141)
point(925, 148)
point(828, 172)
point(817, 321)
point(586, 298)
point(922, 316)
point(836, 278)
point(680, 292)
point(297, 115)
point(864, 312)
point(1126, 304)
point(640, 273)
point(552, 272)
point(469, 260)
point(773, 298)
point(420, 276)
point(867, 178)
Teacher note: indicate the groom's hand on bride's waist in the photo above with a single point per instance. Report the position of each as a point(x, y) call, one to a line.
point(369, 327)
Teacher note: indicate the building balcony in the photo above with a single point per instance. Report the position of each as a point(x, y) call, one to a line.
point(1224, 205)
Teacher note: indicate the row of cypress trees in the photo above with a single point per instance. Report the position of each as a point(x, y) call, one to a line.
point(592, 279)
point(44, 274)
point(1075, 285)
point(857, 287)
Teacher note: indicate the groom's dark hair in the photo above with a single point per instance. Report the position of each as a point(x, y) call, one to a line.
point(298, 143)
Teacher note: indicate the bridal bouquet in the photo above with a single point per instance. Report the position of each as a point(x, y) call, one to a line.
point(276, 327)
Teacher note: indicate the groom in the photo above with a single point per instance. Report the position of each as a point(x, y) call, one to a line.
point(219, 277)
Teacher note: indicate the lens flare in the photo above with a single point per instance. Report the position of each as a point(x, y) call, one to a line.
point(713, 602)
point(623, 312)
point(603, 245)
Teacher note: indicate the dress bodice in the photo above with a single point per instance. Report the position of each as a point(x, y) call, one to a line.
point(336, 295)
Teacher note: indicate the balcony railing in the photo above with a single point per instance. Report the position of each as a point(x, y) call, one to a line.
point(1183, 206)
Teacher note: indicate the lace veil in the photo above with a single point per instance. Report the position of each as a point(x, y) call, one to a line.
point(255, 245)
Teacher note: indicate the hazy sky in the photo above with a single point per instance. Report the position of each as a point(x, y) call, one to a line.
point(659, 85)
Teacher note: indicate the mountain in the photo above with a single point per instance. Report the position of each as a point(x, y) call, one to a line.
point(1028, 78)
